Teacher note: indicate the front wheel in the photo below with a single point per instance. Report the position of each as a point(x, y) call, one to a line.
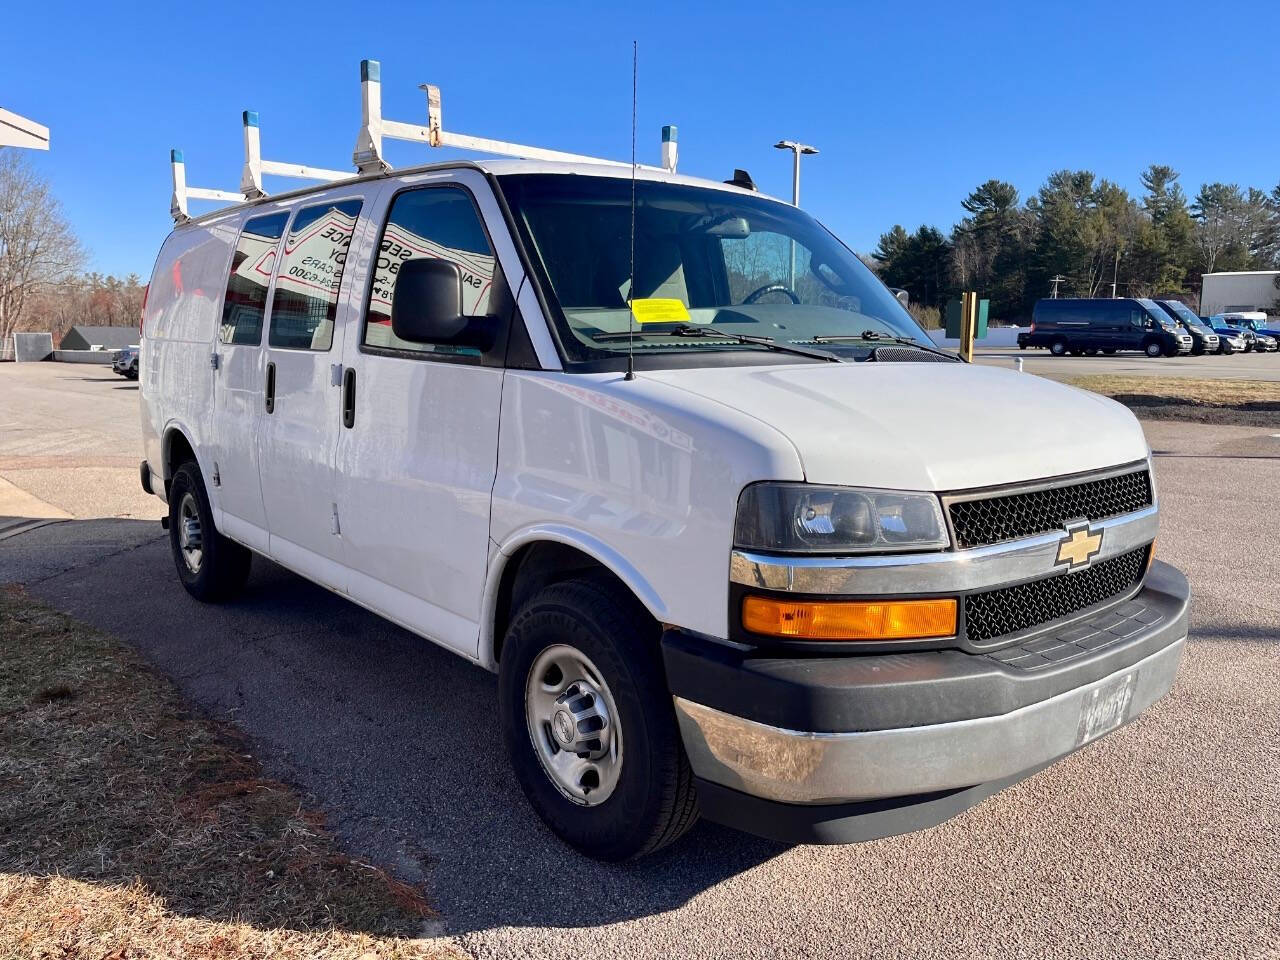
point(211, 567)
point(588, 721)
point(1153, 349)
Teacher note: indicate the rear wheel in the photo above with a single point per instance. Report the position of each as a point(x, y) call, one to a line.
point(211, 567)
point(588, 721)
point(1110, 352)
point(1058, 348)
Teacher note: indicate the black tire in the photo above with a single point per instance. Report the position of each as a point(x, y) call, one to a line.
point(1091, 352)
point(223, 565)
point(1110, 352)
point(1153, 349)
point(654, 801)
point(1058, 348)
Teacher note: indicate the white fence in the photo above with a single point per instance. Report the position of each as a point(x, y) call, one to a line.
point(996, 337)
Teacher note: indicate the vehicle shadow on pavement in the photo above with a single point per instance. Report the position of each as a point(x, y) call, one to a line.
point(396, 740)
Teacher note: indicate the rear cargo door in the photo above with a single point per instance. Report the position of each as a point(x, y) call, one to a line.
point(240, 381)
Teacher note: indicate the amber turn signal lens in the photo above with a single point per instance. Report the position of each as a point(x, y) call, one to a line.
point(850, 620)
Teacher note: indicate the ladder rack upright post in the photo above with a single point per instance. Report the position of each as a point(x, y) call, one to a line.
point(182, 193)
point(255, 166)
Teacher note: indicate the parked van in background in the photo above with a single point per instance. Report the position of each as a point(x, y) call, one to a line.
point(737, 539)
point(1078, 325)
point(1203, 338)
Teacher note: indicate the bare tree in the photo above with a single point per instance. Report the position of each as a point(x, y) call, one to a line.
point(37, 246)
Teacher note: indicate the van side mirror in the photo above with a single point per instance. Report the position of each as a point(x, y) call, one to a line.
point(427, 307)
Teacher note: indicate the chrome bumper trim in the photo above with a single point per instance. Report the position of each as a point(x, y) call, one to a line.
point(953, 571)
point(793, 766)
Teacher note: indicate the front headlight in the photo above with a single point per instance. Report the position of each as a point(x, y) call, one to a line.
point(803, 518)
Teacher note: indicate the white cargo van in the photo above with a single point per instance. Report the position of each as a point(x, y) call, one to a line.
point(736, 538)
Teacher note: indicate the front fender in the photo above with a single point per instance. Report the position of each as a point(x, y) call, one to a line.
point(580, 540)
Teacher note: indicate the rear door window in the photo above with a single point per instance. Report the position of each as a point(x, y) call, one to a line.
point(305, 301)
point(251, 266)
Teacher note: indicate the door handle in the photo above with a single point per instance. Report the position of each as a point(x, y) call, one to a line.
point(349, 398)
point(271, 388)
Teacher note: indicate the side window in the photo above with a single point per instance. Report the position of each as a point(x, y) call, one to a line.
point(434, 222)
point(305, 302)
point(251, 266)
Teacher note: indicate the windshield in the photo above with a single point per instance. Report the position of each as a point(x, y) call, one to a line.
point(1187, 316)
point(1158, 315)
point(707, 262)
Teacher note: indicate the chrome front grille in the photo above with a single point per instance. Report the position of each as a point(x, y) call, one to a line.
point(981, 521)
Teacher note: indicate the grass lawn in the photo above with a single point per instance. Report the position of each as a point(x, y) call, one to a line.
point(131, 826)
point(1214, 393)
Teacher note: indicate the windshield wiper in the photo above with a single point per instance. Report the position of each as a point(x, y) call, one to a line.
point(870, 335)
point(688, 330)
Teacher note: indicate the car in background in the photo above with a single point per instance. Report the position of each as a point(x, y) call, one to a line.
point(1258, 322)
point(1079, 325)
point(1204, 340)
point(125, 362)
point(1253, 343)
point(1265, 343)
point(1230, 339)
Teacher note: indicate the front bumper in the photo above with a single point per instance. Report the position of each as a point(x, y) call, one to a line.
point(833, 749)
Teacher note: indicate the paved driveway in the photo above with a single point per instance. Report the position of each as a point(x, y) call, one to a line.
point(1238, 366)
point(1160, 840)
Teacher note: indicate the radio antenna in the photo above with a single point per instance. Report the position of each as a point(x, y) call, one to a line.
point(631, 287)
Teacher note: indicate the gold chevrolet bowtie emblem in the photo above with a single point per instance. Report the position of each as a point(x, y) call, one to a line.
point(1079, 546)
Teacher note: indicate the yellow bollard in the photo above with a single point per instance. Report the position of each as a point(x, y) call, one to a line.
point(968, 323)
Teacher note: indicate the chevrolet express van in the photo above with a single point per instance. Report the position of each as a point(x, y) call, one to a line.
point(738, 541)
point(1082, 325)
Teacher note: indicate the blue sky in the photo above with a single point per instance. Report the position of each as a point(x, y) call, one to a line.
point(912, 105)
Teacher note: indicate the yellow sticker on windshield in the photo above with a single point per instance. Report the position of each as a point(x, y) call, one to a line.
point(660, 310)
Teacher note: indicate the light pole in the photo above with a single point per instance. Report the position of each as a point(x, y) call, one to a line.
point(797, 148)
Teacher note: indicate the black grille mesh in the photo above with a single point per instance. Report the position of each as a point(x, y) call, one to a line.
point(998, 613)
point(996, 519)
point(905, 354)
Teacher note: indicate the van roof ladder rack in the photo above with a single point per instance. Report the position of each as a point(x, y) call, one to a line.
point(374, 128)
point(368, 156)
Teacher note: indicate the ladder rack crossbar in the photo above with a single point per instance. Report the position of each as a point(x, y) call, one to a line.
point(202, 193)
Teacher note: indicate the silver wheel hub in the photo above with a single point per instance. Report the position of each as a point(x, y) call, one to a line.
point(190, 534)
point(573, 724)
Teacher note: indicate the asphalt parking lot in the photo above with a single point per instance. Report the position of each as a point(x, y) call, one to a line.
point(1163, 839)
point(1238, 366)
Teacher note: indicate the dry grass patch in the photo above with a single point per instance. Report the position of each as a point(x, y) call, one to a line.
point(1240, 394)
point(131, 826)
